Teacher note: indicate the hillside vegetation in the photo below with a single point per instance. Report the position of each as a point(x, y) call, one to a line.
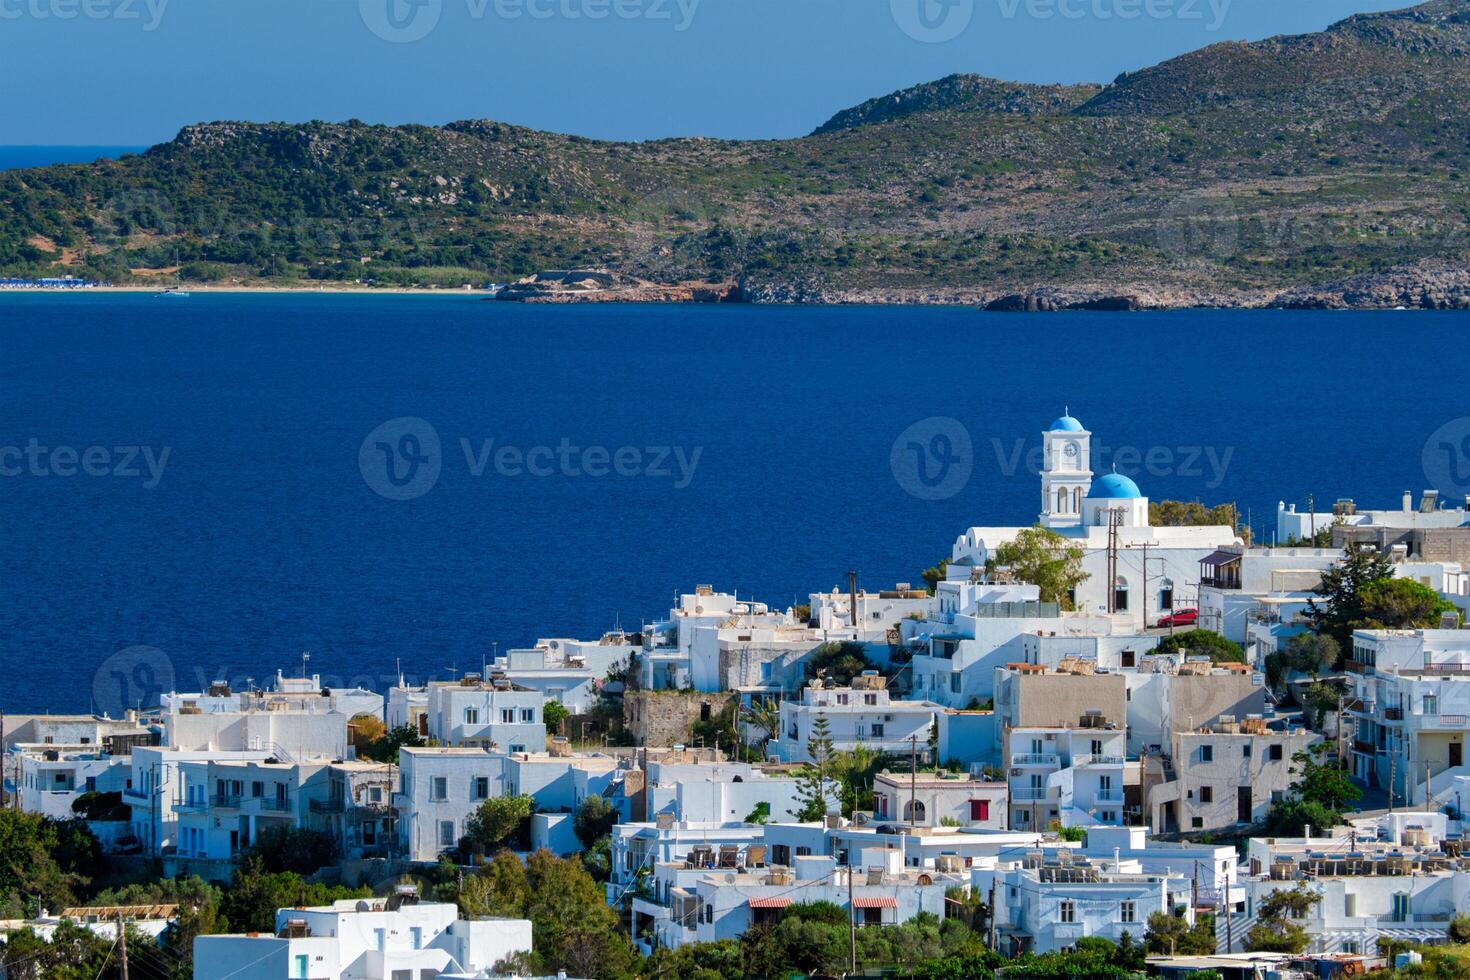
point(1237, 174)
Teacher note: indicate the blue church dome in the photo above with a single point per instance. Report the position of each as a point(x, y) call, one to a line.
point(1066, 424)
point(1114, 486)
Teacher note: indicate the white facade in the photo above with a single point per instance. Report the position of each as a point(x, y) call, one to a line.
point(156, 790)
point(52, 779)
point(1156, 566)
point(1070, 775)
point(486, 715)
point(364, 939)
point(856, 716)
point(226, 805)
point(931, 799)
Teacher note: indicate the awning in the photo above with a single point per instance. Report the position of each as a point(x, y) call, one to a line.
point(1220, 558)
point(875, 903)
point(769, 903)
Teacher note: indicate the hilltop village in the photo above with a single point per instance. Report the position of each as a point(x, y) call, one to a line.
point(1124, 740)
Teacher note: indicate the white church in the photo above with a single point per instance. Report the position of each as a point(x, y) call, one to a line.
point(1135, 573)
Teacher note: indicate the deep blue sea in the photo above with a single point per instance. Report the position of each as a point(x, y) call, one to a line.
point(13, 157)
point(274, 525)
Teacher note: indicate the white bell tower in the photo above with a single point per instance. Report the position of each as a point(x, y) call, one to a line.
point(1066, 475)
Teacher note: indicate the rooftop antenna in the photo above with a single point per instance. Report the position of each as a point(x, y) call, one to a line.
point(304, 658)
point(398, 663)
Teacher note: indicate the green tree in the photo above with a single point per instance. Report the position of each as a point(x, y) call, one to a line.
point(1342, 609)
point(554, 713)
point(696, 961)
point(1275, 931)
point(1170, 935)
point(44, 862)
point(1177, 513)
point(1043, 558)
point(1401, 603)
point(815, 780)
point(1459, 929)
point(1204, 643)
point(936, 574)
point(1312, 654)
point(765, 717)
point(495, 822)
point(365, 729)
point(594, 820)
point(254, 895)
point(1317, 798)
point(297, 849)
point(386, 748)
point(838, 662)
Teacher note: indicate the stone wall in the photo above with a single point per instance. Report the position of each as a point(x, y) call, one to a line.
point(661, 718)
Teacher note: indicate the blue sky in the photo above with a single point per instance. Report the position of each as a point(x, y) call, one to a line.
point(134, 71)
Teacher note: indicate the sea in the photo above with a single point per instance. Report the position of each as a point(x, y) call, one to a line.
point(224, 486)
point(16, 157)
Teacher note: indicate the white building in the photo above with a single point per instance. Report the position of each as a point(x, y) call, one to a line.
point(1152, 568)
point(934, 799)
point(228, 804)
point(1386, 877)
point(1047, 905)
point(861, 715)
point(357, 811)
point(156, 790)
point(487, 714)
point(725, 905)
point(569, 672)
point(364, 939)
point(1411, 707)
point(1224, 776)
point(53, 778)
point(1070, 775)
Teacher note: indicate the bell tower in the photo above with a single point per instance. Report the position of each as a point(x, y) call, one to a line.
point(1066, 474)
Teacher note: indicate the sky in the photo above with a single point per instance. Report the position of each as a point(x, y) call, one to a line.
point(132, 72)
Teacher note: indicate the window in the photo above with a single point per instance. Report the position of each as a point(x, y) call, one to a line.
point(528, 716)
point(446, 833)
point(913, 810)
point(480, 788)
point(842, 699)
point(1207, 794)
point(1246, 750)
point(1166, 595)
point(1431, 704)
point(1120, 594)
point(303, 966)
point(439, 789)
point(870, 699)
point(416, 937)
point(507, 716)
point(1403, 907)
point(979, 809)
point(1274, 753)
point(257, 789)
point(1196, 823)
point(877, 729)
point(1097, 746)
point(472, 716)
point(1207, 753)
point(1067, 911)
point(1127, 912)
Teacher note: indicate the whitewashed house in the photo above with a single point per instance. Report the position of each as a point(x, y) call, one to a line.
point(155, 793)
point(935, 799)
point(861, 715)
point(486, 714)
point(1070, 775)
point(364, 939)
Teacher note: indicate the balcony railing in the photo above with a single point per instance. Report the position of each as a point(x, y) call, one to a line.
point(1108, 796)
point(1393, 714)
point(1036, 759)
point(1030, 794)
point(1097, 760)
point(1444, 721)
point(328, 806)
point(225, 801)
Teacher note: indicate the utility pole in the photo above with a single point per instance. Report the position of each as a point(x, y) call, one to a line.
point(1229, 920)
point(1312, 532)
point(1391, 773)
point(913, 779)
point(851, 915)
point(852, 594)
point(994, 925)
point(122, 946)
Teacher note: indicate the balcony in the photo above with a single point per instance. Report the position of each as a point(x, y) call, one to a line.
point(1393, 714)
point(1087, 761)
point(1030, 794)
point(1453, 722)
point(1037, 759)
point(136, 795)
point(328, 806)
point(224, 801)
point(1108, 796)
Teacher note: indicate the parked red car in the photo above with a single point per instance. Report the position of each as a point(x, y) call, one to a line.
point(1180, 617)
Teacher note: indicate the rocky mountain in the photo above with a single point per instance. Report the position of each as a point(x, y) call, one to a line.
point(1285, 170)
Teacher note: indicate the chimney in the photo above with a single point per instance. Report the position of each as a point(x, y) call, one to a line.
point(1408, 502)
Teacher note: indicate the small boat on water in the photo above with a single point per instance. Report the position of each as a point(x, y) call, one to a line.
point(174, 293)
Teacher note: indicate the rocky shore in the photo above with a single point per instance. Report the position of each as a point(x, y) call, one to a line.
point(1429, 285)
